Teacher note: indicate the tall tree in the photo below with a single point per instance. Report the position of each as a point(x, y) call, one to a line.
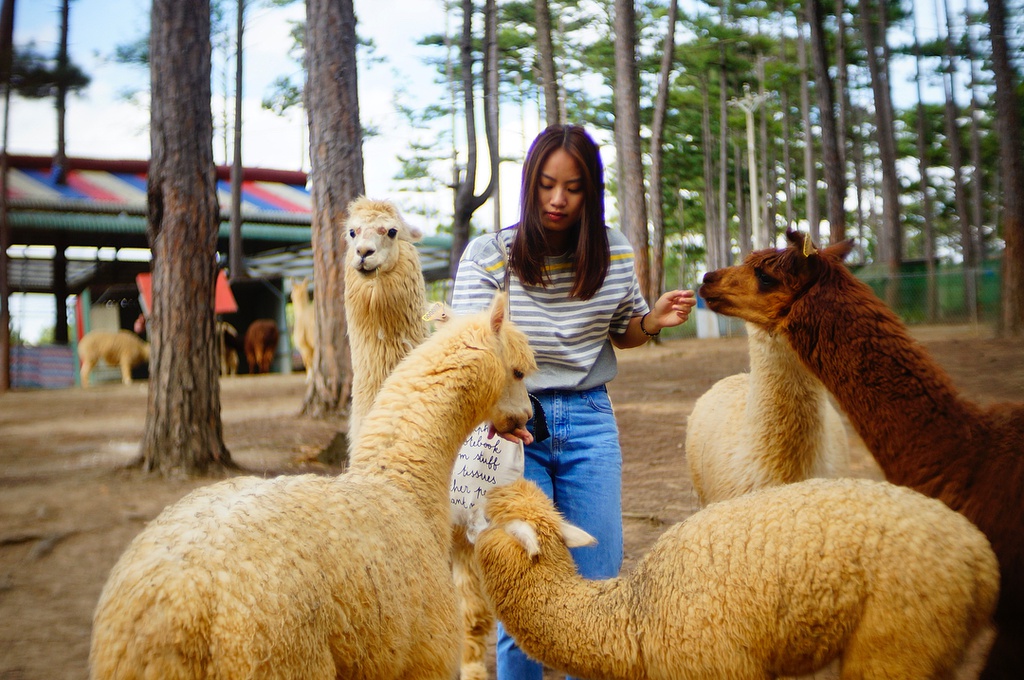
point(235, 256)
point(183, 432)
point(1011, 165)
point(892, 232)
point(810, 171)
point(631, 194)
point(6, 59)
point(553, 112)
point(467, 201)
point(336, 158)
point(928, 221)
point(835, 175)
point(657, 137)
point(60, 158)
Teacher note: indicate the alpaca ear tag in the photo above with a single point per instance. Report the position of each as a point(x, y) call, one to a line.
point(809, 248)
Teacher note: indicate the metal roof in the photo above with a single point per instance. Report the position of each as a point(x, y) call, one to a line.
point(103, 205)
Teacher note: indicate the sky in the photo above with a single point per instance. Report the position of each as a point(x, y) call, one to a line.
point(102, 123)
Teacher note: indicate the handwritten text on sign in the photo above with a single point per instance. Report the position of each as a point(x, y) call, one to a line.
point(483, 464)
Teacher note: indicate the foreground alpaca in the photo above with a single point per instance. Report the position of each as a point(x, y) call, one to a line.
point(384, 299)
point(922, 433)
point(771, 426)
point(303, 323)
point(323, 577)
point(782, 581)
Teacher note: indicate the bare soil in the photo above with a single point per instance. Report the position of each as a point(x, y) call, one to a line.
point(68, 508)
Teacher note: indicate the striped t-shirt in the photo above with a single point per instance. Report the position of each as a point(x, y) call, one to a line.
point(569, 336)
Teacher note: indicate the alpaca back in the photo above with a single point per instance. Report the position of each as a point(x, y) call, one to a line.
point(773, 425)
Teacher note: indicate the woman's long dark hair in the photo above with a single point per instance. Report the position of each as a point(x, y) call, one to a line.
point(590, 259)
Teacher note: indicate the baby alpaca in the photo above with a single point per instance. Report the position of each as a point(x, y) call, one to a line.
point(320, 577)
point(781, 581)
point(121, 348)
point(261, 345)
point(773, 425)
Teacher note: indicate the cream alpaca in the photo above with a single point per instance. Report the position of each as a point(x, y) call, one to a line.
point(781, 581)
point(322, 577)
point(384, 299)
point(121, 348)
point(303, 323)
point(773, 425)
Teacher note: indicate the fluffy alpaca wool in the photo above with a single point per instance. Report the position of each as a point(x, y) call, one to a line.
point(920, 430)
point(773, 425)
point(781, 581)
point(385, 299)
point(118, 348)
point(322, 577)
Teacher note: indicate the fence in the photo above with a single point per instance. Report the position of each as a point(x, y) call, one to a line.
point(954, 297)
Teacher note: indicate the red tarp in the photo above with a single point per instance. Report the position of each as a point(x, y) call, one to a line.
point(223, 303)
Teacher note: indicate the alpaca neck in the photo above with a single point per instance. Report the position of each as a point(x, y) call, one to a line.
point(412, 435)
point(573, 620)
point(786, 407)
point(902, 404)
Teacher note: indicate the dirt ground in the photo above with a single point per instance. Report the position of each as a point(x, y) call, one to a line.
point(67, 510)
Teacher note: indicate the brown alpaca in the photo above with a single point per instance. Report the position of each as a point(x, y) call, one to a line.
point(261, 344)
point(922, 433)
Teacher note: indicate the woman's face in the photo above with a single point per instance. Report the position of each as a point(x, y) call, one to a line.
point(560, 193)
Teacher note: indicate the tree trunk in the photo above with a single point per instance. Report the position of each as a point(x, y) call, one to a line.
point(466, 199)
point(810, 171)
point(722, 231)
point(928, 228)
point(1011, 165)
point(60, 158)
point(835, 176)
point(183, 433)
point(546, 57)
point(632, 204)
point(955, 148)
point(235, 254)
point(6, 56)
point(336, 157)
point(892, 233)
point(712, 255)
point(657, 135)
point(787, 149)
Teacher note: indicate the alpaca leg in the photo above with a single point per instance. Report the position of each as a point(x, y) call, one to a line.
point(126, 371)
point(477, 611)
point(87, 367)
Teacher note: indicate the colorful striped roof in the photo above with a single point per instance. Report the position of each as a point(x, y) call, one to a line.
point(114, 185)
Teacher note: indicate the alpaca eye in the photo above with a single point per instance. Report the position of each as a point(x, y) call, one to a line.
point(764, 280)
point(519, 375)
point(392, 232)
point(352, 233)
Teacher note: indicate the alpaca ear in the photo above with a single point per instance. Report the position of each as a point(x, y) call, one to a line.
point(840, 250)
point(525, 535)
point(415, 233)
point(575, 537)
point(498, 310)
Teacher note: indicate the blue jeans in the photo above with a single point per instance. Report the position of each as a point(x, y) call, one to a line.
point(580, 467)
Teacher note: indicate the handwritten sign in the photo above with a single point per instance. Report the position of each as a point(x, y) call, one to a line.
point(483, 463)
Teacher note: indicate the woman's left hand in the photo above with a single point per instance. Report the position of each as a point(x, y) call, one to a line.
point(671, 309)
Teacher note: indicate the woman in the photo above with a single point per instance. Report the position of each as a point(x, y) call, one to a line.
point(574, 291)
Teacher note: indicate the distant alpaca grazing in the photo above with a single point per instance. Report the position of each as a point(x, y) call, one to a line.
point(118, 348)
point(781, 581)
point(904, 406)
point(771, 426)
point(320, 577)
point(261, 345)
point(385, 299)
point(227, 348)
point(303, 323)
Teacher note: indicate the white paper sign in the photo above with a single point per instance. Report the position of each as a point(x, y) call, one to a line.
point(483, 463)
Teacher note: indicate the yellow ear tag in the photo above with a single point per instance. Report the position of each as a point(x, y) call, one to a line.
point(809, 248)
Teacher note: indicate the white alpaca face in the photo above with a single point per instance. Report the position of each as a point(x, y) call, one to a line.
point(372, 246)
